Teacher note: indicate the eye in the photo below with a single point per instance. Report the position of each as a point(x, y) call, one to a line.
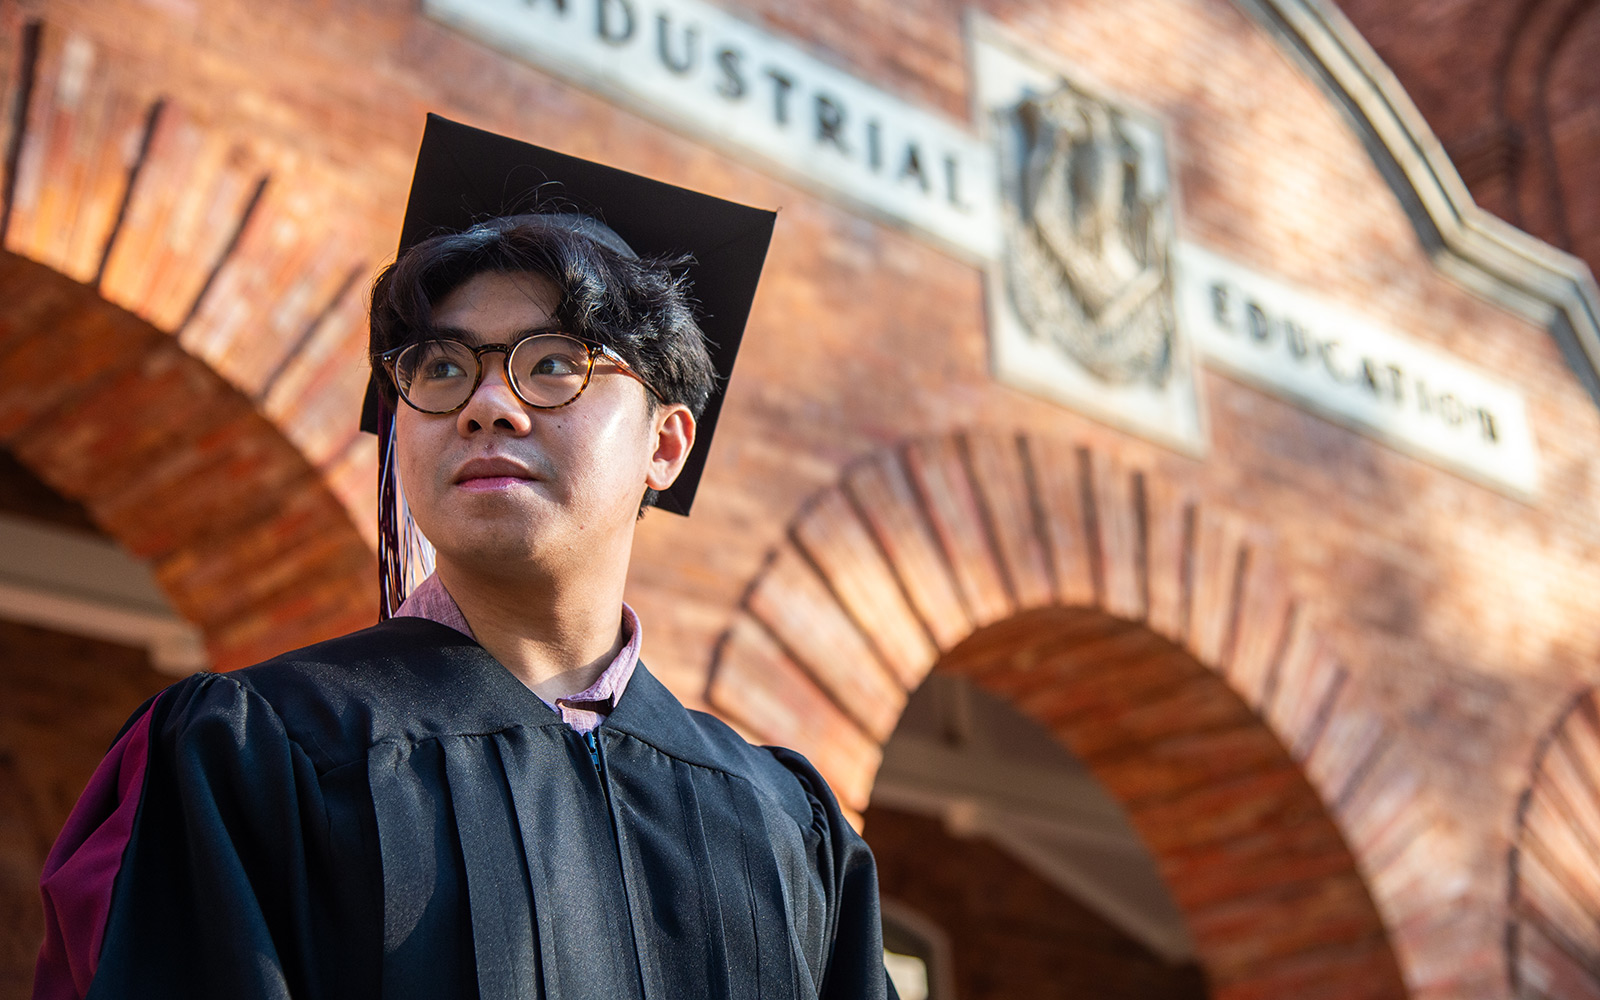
point(438, 361)
point(556, 365)
point(441, 368)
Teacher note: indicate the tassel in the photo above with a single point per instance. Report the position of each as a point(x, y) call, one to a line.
point(405, 556)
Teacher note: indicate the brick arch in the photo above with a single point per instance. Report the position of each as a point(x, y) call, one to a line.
point(1230, 730)
point(1553, 929)
point(215, 280)
point(251, 256)
point(1539, 193)
point(243, 535)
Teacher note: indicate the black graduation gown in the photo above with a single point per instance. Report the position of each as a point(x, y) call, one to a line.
point(393, 814)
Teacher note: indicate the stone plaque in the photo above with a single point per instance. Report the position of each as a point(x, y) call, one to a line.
point(1081, 305)
point(1347, 367)
point(694, 66)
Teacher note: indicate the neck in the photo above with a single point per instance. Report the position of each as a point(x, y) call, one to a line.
point(555, 636)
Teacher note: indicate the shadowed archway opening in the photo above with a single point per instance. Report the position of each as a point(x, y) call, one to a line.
point(66, 685)
point(1026, 868)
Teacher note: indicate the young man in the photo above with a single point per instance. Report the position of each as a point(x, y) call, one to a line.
point(487, 794)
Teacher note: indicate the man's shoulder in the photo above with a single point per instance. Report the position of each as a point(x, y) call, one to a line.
point(735, 753)
point(402, 678)
point(367, 662)
point(786, 777)
point(703, 740)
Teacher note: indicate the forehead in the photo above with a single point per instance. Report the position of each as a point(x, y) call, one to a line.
point(497, 304)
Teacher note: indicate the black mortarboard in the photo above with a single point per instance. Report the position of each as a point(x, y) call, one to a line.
point(466, 175)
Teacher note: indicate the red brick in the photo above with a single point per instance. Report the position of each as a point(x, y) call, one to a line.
point(756, 683)
point(1171, 513)
point(1219, 552)
point(317, 395)
point(835, 539)
point(1245, 866)
point(1122, 540)
point(893, 512)
point(1055, 464)
point(801, 613)
point(193, 189)
point(1009, 929)
point(85, 124)
point(1286, 926)
point(1003, 484)
point(1353, 735)
point(1359, 970)
point(1423, 589)
point(66, 697)
point(1260, 638)
point(958, 521)
point(1156, 764)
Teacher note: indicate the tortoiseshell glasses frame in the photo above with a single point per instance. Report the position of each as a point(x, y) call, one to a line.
point(546, 369)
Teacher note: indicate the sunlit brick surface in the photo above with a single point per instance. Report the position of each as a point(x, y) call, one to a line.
point(228, 176)
point(1553, 935)
point(242, 533)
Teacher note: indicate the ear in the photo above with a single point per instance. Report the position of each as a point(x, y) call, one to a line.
point(674, 439)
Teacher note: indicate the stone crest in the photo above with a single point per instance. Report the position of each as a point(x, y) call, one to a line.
point(1086, 257)
point(1081, 296)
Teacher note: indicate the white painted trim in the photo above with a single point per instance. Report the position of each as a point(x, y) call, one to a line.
point(941, 977)
point(914, 762)
point(1166, 937)
point(1064, 821)
point(81, 584)
point(876, 129)
point(1060, 823)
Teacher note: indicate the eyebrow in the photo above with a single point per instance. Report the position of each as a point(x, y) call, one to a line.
point(468, 337)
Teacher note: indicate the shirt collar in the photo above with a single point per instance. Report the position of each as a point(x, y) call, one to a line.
point(431, 601)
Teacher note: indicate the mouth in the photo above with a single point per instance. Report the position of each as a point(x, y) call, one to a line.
point(487, 474)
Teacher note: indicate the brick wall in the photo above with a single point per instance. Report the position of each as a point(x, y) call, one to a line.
point(1466, 616)
point(245, 536)
point(1511, 91)
point(1158, 639)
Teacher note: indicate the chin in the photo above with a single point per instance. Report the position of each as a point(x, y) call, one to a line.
point(474, 541)
point(495, 556)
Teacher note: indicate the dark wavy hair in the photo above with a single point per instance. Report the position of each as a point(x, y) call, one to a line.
point(640, 307)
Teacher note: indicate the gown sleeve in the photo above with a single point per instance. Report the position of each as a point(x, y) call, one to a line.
point(207, 896)
point(852, 939)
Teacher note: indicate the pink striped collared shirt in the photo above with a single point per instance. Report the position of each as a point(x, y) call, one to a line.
point(583, 711)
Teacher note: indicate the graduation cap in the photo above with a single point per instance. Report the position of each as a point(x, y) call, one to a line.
point(465, 176)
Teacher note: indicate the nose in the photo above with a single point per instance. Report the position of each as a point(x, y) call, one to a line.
point(493, 404)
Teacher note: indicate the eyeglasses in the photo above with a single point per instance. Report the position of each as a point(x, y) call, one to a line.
point(544, 370)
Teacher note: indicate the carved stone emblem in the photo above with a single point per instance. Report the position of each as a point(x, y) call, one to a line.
point(1082, 293)
point(1089, 225)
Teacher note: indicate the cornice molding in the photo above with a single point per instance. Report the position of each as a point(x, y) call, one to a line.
point(1483, 253)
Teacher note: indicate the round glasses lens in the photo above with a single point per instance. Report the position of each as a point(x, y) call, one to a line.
point(550, 370)
point(436, 375)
